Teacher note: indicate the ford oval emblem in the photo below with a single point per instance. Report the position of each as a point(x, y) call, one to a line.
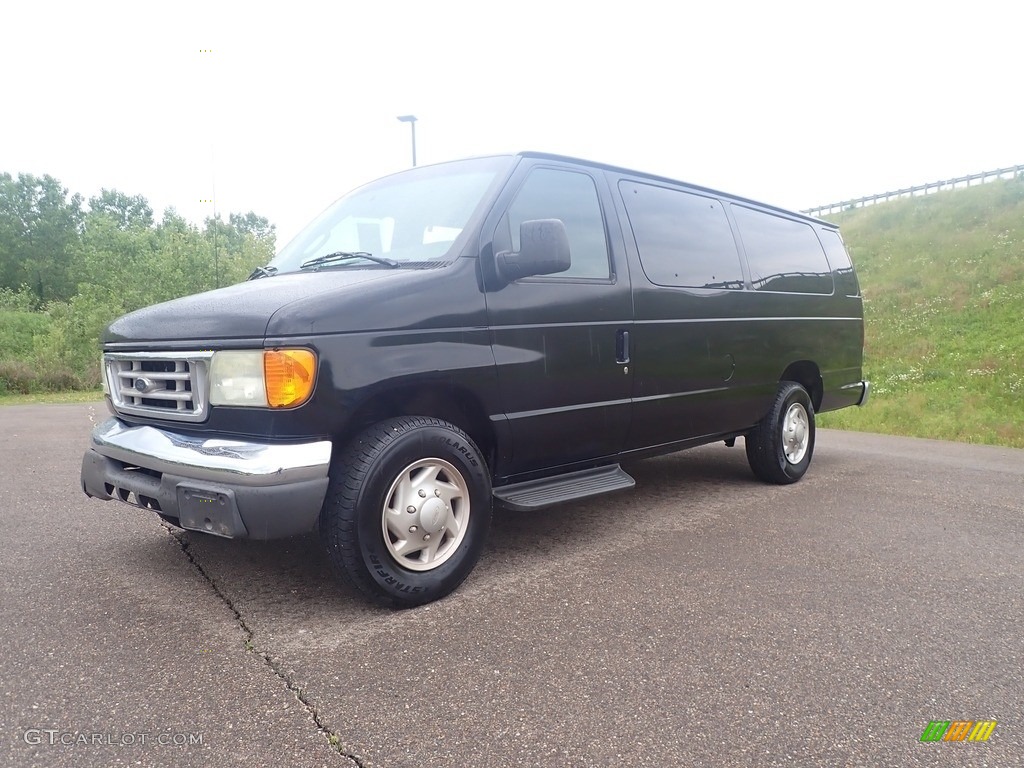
point(144, 385)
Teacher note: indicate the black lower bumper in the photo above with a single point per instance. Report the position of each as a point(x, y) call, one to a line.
point(235, 512)
point(226, 488)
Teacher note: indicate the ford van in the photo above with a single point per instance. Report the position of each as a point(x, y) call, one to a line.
point(493, 332)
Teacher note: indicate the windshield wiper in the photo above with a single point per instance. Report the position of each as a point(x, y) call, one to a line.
point(339, 256)
point(267, 271)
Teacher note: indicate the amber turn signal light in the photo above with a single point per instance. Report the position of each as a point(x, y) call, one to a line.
point(289, 375)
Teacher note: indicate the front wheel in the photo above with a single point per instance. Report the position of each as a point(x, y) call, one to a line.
point(780, 447)
point(407, 511)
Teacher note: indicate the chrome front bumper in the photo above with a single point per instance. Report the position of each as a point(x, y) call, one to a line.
point(232, 488)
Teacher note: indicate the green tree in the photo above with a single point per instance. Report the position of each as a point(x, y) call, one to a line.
point(257, 226)
point(126, 211)
point(121, 258)
point(238, 246)
point(65, 273)
point(40, 236)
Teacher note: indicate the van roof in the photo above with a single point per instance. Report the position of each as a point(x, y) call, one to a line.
point(655, 177)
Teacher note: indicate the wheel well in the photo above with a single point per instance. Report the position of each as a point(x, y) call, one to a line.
point(456, 406)
point(808, 375)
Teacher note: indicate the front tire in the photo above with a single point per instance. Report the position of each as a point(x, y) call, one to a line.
point(407, 510)
point(780, 447)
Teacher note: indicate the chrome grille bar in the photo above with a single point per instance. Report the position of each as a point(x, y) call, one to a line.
point(161, 385)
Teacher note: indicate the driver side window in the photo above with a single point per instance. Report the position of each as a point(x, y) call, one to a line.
point(549, 193)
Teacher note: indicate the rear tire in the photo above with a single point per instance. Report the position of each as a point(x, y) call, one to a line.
point(780, 447)
point(407, 511)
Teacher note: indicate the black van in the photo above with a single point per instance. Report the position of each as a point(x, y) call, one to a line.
point(501, 329)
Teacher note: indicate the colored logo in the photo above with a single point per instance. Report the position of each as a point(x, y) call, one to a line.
point(958, 730)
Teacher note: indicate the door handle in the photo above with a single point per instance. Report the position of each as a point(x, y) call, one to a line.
point(622, 348)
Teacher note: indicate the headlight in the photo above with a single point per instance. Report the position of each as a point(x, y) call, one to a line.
point(236, 378)
point(275, 378)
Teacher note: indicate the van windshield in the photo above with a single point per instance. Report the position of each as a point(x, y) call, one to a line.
point(410, 218)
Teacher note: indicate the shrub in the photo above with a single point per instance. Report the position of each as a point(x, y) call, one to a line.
point(18, 329)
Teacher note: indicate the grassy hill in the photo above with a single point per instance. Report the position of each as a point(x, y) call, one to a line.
point(943, 284)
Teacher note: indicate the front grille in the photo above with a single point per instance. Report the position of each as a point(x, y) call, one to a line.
point(162, 385)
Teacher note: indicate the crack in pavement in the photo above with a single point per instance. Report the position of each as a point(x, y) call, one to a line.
point(333, 739)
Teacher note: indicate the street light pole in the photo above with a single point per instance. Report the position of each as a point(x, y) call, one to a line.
point(411, 120)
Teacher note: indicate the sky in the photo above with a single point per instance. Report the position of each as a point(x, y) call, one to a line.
point(280, 108)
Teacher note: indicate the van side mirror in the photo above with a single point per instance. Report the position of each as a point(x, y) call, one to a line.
point(543, 250)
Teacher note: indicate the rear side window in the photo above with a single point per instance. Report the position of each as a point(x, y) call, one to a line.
point(548, 193)
point(783, 255)
point(842, 266)
point(684, 239)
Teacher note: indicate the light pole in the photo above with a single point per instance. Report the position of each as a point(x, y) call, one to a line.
point(411, 120)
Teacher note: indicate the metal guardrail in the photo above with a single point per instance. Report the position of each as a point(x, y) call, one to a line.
point(1011, 172)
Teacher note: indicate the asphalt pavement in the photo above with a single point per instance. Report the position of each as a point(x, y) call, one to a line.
point(703, 619)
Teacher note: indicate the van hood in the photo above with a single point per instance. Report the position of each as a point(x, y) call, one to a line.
point(268, 306)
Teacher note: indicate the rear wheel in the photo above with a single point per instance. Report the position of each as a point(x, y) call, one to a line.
point(407, 511)
point(780, 447)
